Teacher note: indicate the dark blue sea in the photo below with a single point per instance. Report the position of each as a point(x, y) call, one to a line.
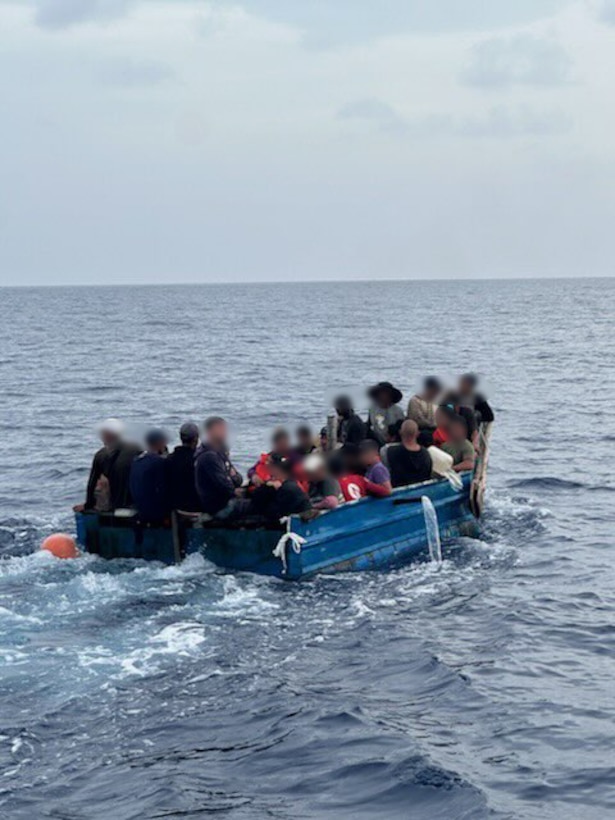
point(481, 689)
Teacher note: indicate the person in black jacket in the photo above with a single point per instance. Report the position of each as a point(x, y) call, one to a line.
point(469, 397)
point(281, 495)
point(180, 471)
point(217, 481)
point(110, 432)
point(149, 486)
point(351, 428)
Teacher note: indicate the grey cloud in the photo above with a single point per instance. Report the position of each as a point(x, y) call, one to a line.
point(134, 73)
point(340, 22)
point(519, 60)
point(375, 111)
point(606, 12)
point(58, 14)
point(499, 122)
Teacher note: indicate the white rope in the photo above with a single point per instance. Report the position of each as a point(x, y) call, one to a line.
point(295, 540)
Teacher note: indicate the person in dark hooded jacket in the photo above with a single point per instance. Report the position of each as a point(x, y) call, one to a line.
point(217, 481)
point(181, 472)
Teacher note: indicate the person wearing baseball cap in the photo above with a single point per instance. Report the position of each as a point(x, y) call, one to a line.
point(180, 470)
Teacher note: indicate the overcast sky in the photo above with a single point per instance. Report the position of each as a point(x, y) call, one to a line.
point(194, 141)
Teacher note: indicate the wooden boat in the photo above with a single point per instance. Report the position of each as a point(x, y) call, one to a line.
point(366, 534)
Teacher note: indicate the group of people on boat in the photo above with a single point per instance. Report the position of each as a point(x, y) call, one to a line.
point(351, 458)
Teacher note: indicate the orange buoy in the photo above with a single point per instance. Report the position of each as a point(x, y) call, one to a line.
point(61, 545)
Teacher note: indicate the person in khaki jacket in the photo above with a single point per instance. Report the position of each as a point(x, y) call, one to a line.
point(422, 407)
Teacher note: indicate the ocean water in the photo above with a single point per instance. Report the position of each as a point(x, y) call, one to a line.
point(482, 689)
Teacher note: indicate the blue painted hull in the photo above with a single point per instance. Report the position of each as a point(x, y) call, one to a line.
point(369, 534)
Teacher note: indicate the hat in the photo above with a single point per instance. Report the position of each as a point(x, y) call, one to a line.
point(155, 436)
point(281, 461)
point(188, 432)
point(112, 426)
point(381, 387)
point(313, 463)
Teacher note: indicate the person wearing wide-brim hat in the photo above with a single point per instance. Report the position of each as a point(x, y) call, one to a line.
point(385, 411)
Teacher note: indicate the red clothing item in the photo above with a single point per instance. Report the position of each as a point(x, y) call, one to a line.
point(440, 436)
point(353, 487)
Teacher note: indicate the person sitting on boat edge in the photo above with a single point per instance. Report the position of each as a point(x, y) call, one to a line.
point(408, 462)
point(180, 469)
point(458, 446)
point(149, 485)
point(324, 491)
point(351, 429)
point(422, 408)
point(385, 410)
point(377, 479)
point(281, 495)
point(218, 483)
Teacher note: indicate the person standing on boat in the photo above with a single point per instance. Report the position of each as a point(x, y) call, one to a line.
point(351, 428)
point(110, 433)
point(408, 462)
point(385, 410)
point(180, 469)
point(458, 446)
point(468, 397)
point(149, 486)
point(217, 482)
point(305, 442)
point(422, 406)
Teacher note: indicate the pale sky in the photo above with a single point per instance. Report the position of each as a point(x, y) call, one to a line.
point(189, 141)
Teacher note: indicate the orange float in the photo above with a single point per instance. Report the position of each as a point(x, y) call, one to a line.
point(61, 545)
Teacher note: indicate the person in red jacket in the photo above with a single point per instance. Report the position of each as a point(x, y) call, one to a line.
point(377, 478)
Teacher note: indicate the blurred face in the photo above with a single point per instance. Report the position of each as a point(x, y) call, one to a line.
point(217, 434)
point(431, 393)
point(465, 387)
point(316, 475)
point(324, 440)
point(441, 419)
point(457, 431)
point(368, 457)
point(304, 439)
point(383, 399)
point(108, 439)
point(277, 472)
point(281, 444)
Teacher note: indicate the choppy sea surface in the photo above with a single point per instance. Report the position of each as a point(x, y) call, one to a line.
point(482, 689)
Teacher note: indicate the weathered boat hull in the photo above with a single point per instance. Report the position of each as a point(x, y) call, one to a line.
point(369, 534)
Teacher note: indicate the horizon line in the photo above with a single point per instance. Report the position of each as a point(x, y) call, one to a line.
point(239, 282)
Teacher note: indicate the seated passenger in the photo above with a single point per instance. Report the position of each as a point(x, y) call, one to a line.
point(422, 407)
point(345, 467)
point(323, 441)
point(305, 442)
point(324, 491)
point(280, 445)
point(180, 469)
point(409, 462)
point(458, 446)
point(377, 478)
point(443, 416)
point(281, 495)
point(453, 401)
point(351, 428)
point(118, 469)
point(385, 410)
point(149, 486)
point(217, 481)
point(468, 397)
